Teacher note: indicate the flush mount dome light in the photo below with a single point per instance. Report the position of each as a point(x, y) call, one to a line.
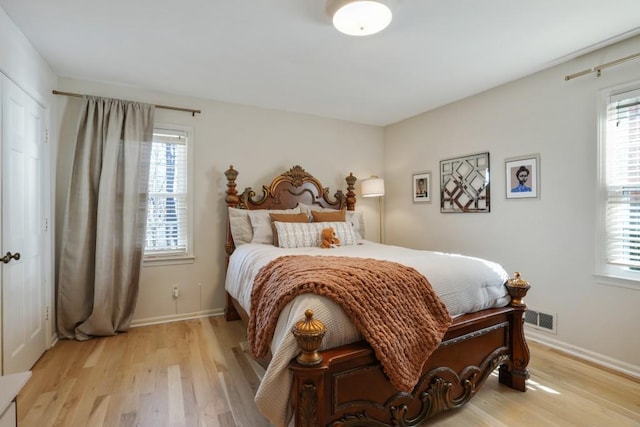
point(359, 17)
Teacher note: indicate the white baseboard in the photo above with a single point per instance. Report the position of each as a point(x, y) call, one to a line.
point(176, 317)
point(590, 356)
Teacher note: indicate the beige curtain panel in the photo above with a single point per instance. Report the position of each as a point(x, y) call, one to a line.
point(105, 220)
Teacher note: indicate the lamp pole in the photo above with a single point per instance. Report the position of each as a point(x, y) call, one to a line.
point(374, 187)
point(380, 217)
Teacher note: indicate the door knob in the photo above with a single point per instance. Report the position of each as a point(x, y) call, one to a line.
point(9, 256)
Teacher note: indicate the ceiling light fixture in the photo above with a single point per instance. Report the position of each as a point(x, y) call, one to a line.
point(359, 17)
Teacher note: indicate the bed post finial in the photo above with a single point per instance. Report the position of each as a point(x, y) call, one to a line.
point(518, 288)
point(231, 198)
point(351, 194)
point(309, 333)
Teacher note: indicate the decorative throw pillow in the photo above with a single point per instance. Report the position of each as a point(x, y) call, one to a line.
point(289, 217)
point(261, 223)
point(241, 230)
point(329, 216)
point(307, 235)
point(296, 217)
point(354, 217)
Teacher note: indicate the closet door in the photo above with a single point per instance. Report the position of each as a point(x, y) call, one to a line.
point(23, 299)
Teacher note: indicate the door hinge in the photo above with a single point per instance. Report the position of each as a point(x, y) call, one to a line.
point(46, 313)
point(46, 136)
point(46, 224)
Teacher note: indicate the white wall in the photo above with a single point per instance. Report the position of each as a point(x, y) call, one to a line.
point(22, 64)
point(259, 144)
point(550, 240)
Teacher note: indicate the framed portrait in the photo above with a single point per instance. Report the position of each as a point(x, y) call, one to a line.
point(522, 177)
point(422, 187)
point(464, 184)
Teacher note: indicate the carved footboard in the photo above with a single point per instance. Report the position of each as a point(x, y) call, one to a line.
point(346, 386)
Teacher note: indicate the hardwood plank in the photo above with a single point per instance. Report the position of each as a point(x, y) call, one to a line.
point(237, 388)
point(94, 356)
point(201, 377)
point(80, 404)
point(214, 364)
point(195, 373)
point(99, 411)
point(36, 411)
point(176, 400)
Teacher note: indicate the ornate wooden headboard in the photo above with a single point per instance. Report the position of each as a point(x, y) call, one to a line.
point(285, 192)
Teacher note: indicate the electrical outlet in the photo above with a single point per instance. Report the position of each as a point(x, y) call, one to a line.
point(175, 291)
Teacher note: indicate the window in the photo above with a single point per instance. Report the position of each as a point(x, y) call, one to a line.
point(169, 205)
point(619, 162)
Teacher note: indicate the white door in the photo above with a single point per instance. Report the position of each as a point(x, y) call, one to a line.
point(23, 297)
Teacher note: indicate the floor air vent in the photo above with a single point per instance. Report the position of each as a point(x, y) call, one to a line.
point(540, 320)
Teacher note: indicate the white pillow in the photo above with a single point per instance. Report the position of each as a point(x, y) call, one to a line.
point(357, 221)
point(307, 234)
point(308, 208)
point(241, 230)
point(261, 224)
point(354, 217)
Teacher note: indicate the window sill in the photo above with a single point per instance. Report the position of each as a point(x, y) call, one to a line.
point(617, 281)
point(158, 261)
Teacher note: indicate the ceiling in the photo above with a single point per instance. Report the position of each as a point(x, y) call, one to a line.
point(285, 54)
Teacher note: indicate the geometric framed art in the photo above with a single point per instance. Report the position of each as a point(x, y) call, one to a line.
point(422, 187)
point(464, 184)
point(522, 177)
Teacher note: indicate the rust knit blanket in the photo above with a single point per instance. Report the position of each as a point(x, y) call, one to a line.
point(392, 305)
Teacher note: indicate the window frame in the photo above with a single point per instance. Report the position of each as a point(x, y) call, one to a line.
point(189, 256)
point(606, 273)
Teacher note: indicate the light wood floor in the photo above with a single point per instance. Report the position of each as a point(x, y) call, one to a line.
point(194, 373)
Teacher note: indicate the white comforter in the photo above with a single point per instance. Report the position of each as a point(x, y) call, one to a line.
point(465, 285)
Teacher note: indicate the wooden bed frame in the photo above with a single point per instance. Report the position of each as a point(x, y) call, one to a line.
point(348, 387)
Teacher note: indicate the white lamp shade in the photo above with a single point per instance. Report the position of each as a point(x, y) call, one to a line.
point(359, 17)
point(372, 187)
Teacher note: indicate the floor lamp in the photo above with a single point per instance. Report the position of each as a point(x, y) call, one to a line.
point(374, 187)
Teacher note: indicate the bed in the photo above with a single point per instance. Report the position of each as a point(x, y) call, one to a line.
point(337, 379)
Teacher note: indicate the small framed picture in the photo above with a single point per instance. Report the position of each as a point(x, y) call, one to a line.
point(422, 187)
point(522, 177)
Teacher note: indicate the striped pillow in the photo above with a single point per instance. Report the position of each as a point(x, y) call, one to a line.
point(307, 235)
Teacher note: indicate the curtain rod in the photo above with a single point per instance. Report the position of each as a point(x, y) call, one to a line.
point(166, 107)
point(598, 68)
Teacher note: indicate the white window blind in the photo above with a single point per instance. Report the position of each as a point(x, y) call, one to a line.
point(622, 153)
point(167, 211)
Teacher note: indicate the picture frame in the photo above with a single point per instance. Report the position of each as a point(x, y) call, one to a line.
point(464, 184)
point(421, 187)
point(522, 177)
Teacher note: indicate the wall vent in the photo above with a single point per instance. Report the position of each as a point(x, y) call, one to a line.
point(540, 320)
